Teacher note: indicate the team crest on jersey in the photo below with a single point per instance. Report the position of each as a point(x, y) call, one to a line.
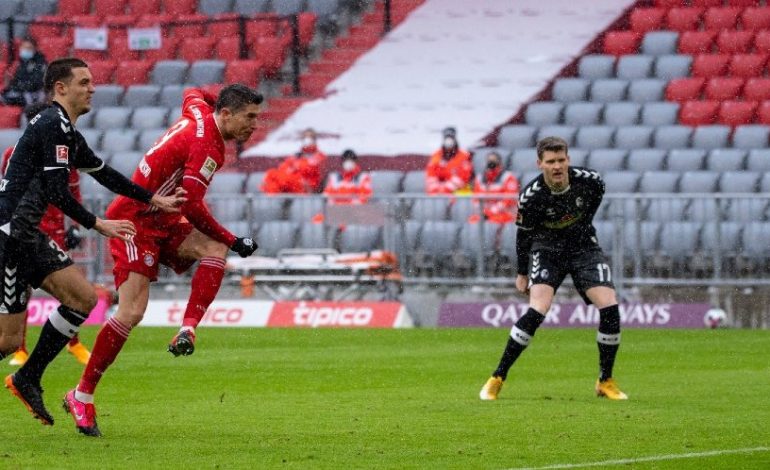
point(62, 154)
point(149, 260)
point(208, 168)
point(579, 201)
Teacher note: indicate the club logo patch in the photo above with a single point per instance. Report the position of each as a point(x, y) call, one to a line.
point(62, 154)
point(208, 168)
point(544, 274)
point(149, 260)
point(579, 202)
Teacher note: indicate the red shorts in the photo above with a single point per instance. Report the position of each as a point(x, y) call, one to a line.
point(147, 250)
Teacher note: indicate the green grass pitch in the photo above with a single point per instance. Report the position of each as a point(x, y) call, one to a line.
point(273, 398)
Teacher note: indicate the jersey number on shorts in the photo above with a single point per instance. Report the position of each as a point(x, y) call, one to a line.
point(169, 134)
point(603, 267)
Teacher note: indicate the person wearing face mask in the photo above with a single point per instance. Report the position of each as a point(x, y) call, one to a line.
point(351, 185)
point(449, 169)
point(298, 174)
point(497, 180)
point(26, 85)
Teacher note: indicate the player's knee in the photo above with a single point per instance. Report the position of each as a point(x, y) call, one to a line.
point(129, 315)
point(85, 302)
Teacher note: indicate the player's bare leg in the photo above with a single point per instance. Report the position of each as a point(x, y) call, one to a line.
point(607, 339)
point(12, 327)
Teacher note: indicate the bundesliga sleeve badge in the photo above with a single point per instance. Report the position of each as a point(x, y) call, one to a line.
point(62, 154)
point(208, 168)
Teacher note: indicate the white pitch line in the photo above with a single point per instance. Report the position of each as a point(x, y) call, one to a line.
point(654, 458)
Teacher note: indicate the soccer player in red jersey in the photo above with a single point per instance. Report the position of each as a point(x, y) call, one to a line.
point(190, 152)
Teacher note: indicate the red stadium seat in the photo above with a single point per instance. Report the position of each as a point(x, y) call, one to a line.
point(762, 42)
point(102, 71)
point(228, 48)
point(357, 41)
point(151, 20)
point(86, 21)
point(684, 89)
point(757, 89)
point(180, 7)
point(90, 55)
point(737, 113)
point(118, 41)
point(621, 42)
point(696, 42)
point(743, 3)
point(272, 53)
point(10, 116)
point(144, 7)
point(723, 88)
point(243, 71)
point(168, 47)
point(647, 19)
point(747, 65)
point(53, 47)
point(734, 42)
point(756, 18)
point(307, 29)
point(133, 72)
point(261, 26)
point(710, 65)
point(763, 113)
point(668, 3)
point(684, 19)
point(717, 18)
point(705, 3)
point(41, 32)
point(196, 48)
point(698, 113)
point(120, 21)
point(224, 25)
point(110, 7)
point(326, 67)
point(69, 8)
point(341, 55)
point(189, 26)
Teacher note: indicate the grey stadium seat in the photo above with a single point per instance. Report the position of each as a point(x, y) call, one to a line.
point(238, 227)
point(474, 238)
point(266, 208)
point(169, 72)
point(646, 90)
point(8, 137)
point(148, 137)
point(704, 210)
point(524, 160)
point(515, 136)
point(276, 235)
point(254, 182)
point(93, 137)
point(726, 160)
point(728, 240)
point(578, 157)
point(607, 90)
point(141, 95)
point(568, 90)
point(747, 210)
point(149, 117)
point(634, 67)
point(669, 67)
point(758, 160)
point(322, 8)
point(607, 160)
point(438, 238)
point(9, 8)
point(739, 182)
point(764, 183)
point(685, 159)
point(594, 137)
point(112, 117)
point(106, 95)
point(605, 233)
point(672, 137)
point(304, 209)
point(414, 182)
point(659, 181)
point(213, 7)
point(711, 137)
point(633, 137)
point(227, 209)
point(429, 209)
point(90, 188)
point(528, 176)
point(386, 182)
point(249, 7)
point(171, 96)
point(357, 238)
point(621, 114)
point(565, 132)
point(85, 121)
point(543, 113)
point(288, 7)
point(34, 8)
point(659, 43)
point(227, 183)
point(646, 160)
point(204, 72)
point(461, 209)
point(582, 113)
point(126, 162)
point(314, 236)
point(666, 210)
point(119, 140)
point(173, 115)
point(647, 241)
point(698, 182)
point(620, 181)
point(595, 66)
point(660, 113)
point(750, 137)
point(755, 239)
point(679, 239)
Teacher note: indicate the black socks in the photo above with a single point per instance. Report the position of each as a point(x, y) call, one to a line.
point(521, 334)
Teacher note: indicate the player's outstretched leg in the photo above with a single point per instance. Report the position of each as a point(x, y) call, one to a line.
point(31, 395)
point(84, 414)
point(183, 344)
point(521, 334)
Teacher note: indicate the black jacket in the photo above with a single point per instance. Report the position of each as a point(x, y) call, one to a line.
point(29, 75)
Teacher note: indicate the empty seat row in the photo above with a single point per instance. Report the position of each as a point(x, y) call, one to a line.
point(690, 18)
point(743, 210)
point(607, 90)
point(141, 117)
point(618, 43)
point(730, 113)
point(718, 88)
point(638, 66)
point(169, 96)
point(118, 7)
point(638, 136)
point(580, 113)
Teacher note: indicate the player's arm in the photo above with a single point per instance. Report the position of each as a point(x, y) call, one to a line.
point(525, 221)
point(597, 193)
point(197, 97)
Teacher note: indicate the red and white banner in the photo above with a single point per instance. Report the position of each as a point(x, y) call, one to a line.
point(340, 315)
point(220, 313)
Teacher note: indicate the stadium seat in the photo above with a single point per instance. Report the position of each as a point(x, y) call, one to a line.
point(657, 43)
point(704, 210)
point(429, 209)
point(764, 183)
point(762, 42)
point(10, 8)
point(633, 137)
point(666, 210)
point(112, 117)
point(594, 137)
point(696, 42)
point(685, 89)
point(167, 50)
point(565, 132)
point(757, 89)
point(180, 7)
point(360, 238)
point(93, 138)
point(188, 26)
point(734, 42)
point(763, 113)
point(462, 209)
point(747, 65)
point(658, 181)
point(621, 114)
point(10, 117)
point(227, 48)
point(272, 54)
point(414, 182)
point(132, 72)
point(750, 137)
point(721, 18)
point(723, 88)
point(737, 113)
point(567, 90)
point(676, 243)
point(660, 113)
point(107, 95)
point(698, 182)
point(596, 66)
point(119, 140)
point(472, 239)
point(645, 159)
point(754, 241)
point(192, 49)
point(672, 137)
point(288, 7)
point(722, 236)
point(685, 159)
point(711, 137)
point(646, 90)
point(724, 159)
point(582, 113)
point(646, 19)
point(543, 113)
point(227, 183)
point(35, 8)
point(223, 25)
point(386, 182)
point(204, 72)
point(634, 67)
point(249, 7)
point(264, 208)
point(243, 71)
point(144, 7)
point(621, 181)
point(55, 46)
point(44, 28)
point(314, 236)
point(606, 159)
point(8, 137)
point(524, 160)
point(513, 136)
point(303, 210)
point(148, 137)
point(621, 42)
point(606, 90)
point(126, 162)
point(149, 117)
point(141, 95)
point(755, 18)
point(436, 240)
point(102, 71)
point(213, 7)
point(698, 113)
point(759, 156)
point(710, 65)
point(669, 67)
point(69, 8)
point(684, 19)
point(110, 7)
point(276, 235)
point(169, 72)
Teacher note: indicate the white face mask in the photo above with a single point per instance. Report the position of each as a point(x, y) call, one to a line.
point(348, 165)
point(26, 54)
point(449, 143)
point(307, 141)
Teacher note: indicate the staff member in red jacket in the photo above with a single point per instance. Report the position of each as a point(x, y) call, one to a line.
point(298, 174)
point(449, 169)
point(351, 185)
point(497, 180)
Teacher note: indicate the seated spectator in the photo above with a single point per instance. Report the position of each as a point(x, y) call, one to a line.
point(449, 169)
point(496, 180)
point(299, 174)
point(351, 185)
point(26, 85)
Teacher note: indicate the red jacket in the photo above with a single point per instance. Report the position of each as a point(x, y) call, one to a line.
point(297, 174)
point(447, 176)
point(498, 181)
point(350, 187)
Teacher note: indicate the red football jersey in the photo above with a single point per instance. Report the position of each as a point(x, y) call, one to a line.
point(187, 155)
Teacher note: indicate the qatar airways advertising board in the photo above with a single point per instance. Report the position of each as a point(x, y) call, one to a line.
point(573, 315)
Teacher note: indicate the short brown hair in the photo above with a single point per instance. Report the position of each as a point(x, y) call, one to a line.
point(60, 70)
point(551, 144)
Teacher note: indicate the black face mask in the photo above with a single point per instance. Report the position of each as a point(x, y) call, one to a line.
point(492, 165)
